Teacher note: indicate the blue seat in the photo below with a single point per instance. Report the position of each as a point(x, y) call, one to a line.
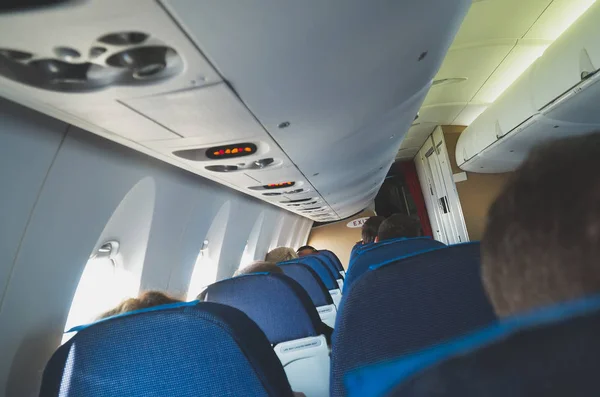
point(334, 259)
point(324, 272)
point(357, 247)
point(287, 316)
point(327, 261)
point(403, 306)
point(553, 351)
point(319, 267)
point(386, 251)
point(278, 304)
point(310, 281)
point(183, 350)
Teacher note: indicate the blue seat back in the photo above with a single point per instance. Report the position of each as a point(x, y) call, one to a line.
point(333, 258)
point(386, 251)
point(406, 305)
point(325, 260)
point(552, 351)
point(324, 272)
point(357, 247)
point(183, 350)
point(310, 281)
point(279, 305)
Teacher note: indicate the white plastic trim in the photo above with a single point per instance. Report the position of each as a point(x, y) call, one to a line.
point(306, 364)
point(328, 314)
point(336, 295)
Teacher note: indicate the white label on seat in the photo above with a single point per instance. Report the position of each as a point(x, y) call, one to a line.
point(336, 296)
point(324, 309)
point(300, 346)
point(328, 314)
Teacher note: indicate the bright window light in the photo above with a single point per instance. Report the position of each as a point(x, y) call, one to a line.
point(103, 285)
point(247, 257)
point(205, 273)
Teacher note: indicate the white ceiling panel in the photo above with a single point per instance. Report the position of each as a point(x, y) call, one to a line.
point(491, 20)
point(117, 118)
point(407, 154)
point(557, 18)
point(470, 113)
point(497, 41)
point(417, 135)
point(211, 113)
point(524, 53)
point(476, 63)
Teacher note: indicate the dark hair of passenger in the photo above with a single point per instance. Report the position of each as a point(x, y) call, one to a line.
point(145, 300)
point(398, 226)
point(542, 241)
point(370, 229)
point(259, 267)
point(306, 250)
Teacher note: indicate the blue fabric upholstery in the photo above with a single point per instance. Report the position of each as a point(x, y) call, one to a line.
point(408, 305)
point(386, 251)
point(279, 305)
point(333, 258)
point(204, 349)
point(544, 350)
point(310, 281)
point(324, 272)
point(325, 260)
point(357, 248)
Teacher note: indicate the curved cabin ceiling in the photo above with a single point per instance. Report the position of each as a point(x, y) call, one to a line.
point(497, 42)
point(318, 93)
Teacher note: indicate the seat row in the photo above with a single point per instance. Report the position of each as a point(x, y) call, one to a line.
point(402, 301)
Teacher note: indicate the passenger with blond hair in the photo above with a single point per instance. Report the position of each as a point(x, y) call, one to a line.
point(281, 254)
point(143, 301)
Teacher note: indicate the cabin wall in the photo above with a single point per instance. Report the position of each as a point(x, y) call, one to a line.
point(478, 192)
point(64, 192)
point(338, 237)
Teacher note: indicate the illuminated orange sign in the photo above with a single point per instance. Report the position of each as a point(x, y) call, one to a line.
point(231, 151)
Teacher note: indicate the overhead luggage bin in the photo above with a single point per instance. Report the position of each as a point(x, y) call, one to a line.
point(552, 99)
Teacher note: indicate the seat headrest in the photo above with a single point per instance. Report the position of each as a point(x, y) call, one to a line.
point(333, 258)
point(385, 251)
point(278, 304)
point(310, 281)
point(324, 272)
point(548, 352)
point(407, 305)
point(176, 351)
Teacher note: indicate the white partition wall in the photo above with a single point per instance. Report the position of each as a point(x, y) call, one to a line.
point(439, 191)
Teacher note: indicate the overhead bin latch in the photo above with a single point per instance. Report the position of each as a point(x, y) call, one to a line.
point(586, 67)
point(499, 133)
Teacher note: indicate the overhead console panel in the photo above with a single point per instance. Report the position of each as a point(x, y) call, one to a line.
point(300, 104)
point(556, 97)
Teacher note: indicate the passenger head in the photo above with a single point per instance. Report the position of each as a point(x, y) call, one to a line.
point(145, 300)
point(397, 226)
point(281, 254)
point(370, 229)
point(259, 267)
point(306, 250)
point(542, 241)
